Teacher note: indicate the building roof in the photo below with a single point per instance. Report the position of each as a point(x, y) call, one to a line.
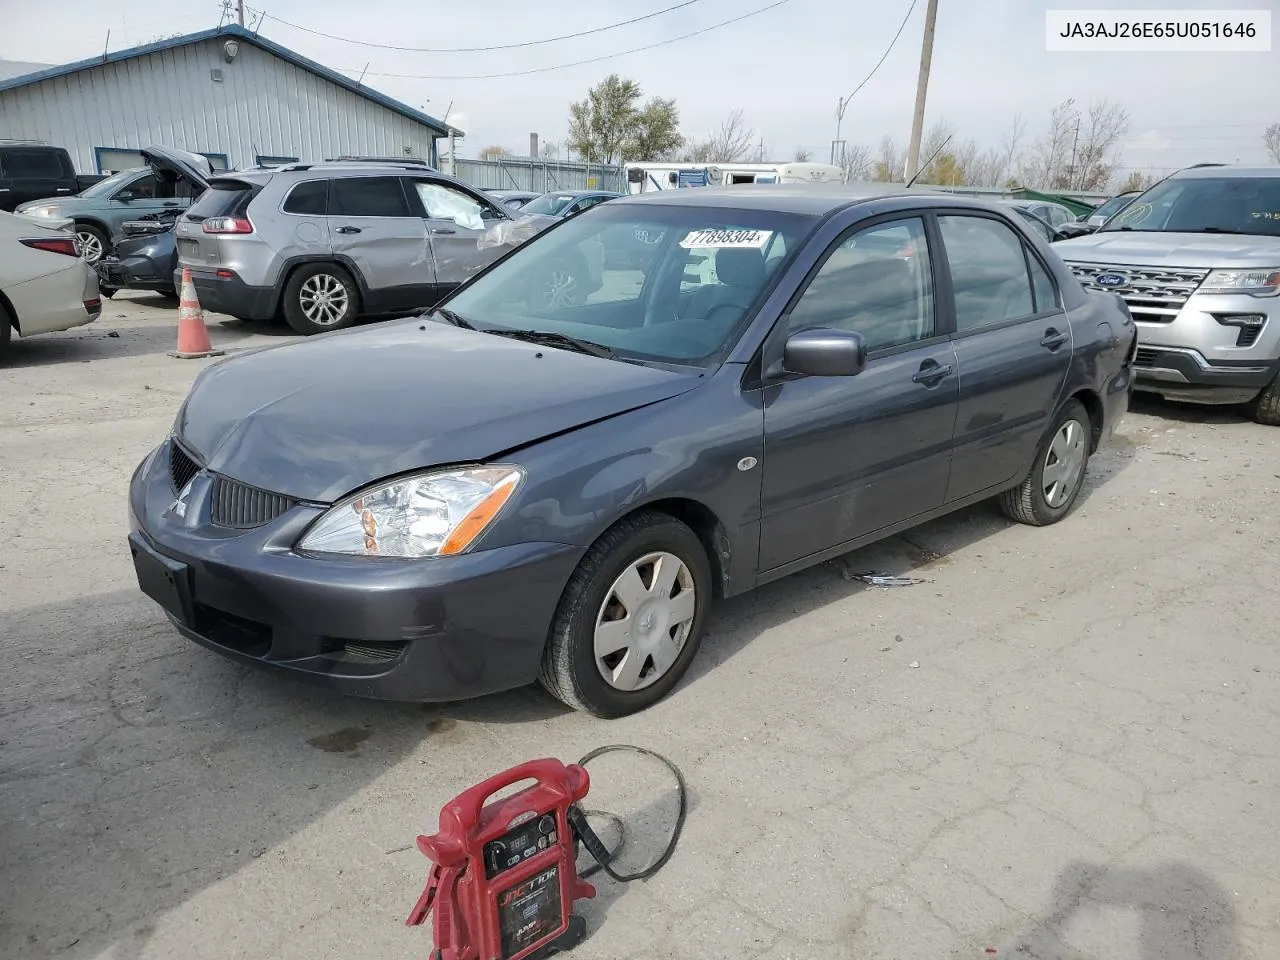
point(16, 68)
point(12, 81)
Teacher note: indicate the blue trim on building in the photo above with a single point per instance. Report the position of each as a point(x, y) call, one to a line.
point(237, 32)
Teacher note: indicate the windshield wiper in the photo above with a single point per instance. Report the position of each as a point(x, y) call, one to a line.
point(1243, 233)
point(450, 316)
point(548, 339)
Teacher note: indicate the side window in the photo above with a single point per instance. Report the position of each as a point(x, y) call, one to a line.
point(310, 199)
point(367, 197)
point(443, 202)
point(32, 164)
point(988, 271)
point(878, 282)
point(144, 188)
point(1046, 293)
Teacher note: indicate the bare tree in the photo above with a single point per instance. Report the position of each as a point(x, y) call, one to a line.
point(857, 163)
point(733, 141)
point(1095, 153)
point(890, 161)
point(1050, 157)
point(493, 152)
point(803, 155)
point(1271, 140)
point(1138, 181)
point(993, 167)
point(549, 150)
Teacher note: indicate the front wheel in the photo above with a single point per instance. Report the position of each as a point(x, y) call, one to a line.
point(1265, 408)
point(631, 618)
point(1053, 485)
point(320, 297)
point(94, 244)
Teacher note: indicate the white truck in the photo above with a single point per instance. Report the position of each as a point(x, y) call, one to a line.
point(648, 177)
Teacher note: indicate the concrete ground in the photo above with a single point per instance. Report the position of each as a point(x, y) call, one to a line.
point(1064, 744)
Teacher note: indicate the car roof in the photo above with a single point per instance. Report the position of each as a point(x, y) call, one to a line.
point(333, 170)
point(805, 199)
point(1228, 171)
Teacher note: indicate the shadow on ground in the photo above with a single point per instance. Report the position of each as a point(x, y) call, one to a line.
point(1154, 405)
point(1183, 914)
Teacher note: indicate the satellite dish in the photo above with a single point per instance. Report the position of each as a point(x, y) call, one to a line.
point(715, 175)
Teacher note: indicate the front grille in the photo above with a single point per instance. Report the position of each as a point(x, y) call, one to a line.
point(1154, 295)
point(242, 507)
point(182, 466)
point(1145, 357)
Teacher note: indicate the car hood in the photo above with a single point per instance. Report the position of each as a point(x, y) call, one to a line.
point(166, 160)
point(1172, 249)
point(318, 419)
point(44, 223)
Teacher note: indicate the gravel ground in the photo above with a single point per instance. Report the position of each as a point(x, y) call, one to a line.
point(1063, 744)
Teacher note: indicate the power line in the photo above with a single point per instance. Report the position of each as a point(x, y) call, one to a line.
point(505, 46)
point(579, 63)
point(884, 56)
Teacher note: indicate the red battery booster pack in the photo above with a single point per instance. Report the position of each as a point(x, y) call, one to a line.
point(504, 878)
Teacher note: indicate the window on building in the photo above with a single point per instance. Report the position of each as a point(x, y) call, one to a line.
point(309, 199)
point(367, 197)
point(113, 160)
point(267, 161)
point(217, 160)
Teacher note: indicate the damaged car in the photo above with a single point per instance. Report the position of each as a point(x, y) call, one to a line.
point(328, 243)
point(505, 490)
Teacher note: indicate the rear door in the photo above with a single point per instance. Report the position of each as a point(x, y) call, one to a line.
point(34, 173)
point(848, 456)
point(456, 220)
point(1013, 350)
point(375, 231)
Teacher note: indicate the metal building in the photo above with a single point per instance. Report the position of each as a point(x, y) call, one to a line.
point(234, 97)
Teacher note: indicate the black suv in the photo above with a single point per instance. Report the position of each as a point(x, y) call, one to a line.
point(34, 171)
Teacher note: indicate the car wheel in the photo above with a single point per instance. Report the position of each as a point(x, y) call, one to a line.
point(106, 292)
point(565, 285)
point(6, 332)
point(1265, 408)
point(631, 618)
point(320, 297)
point(94, 244)
point(1053, 486)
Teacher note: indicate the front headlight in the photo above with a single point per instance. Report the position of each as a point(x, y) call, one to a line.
point(41, 211)
point(433, 514)
point(1264, 282)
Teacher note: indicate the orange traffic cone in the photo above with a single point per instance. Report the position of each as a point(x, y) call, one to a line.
point(193, 336)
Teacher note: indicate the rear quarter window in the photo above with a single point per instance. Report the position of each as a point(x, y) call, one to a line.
point(224, 198)
point(310, 198)
point(35, 163)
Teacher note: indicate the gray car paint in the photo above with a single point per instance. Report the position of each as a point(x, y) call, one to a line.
point(599, 439)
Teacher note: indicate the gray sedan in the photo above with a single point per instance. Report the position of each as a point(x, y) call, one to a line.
point(507, 489)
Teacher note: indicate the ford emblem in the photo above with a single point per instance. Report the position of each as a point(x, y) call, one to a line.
point(1111, 280)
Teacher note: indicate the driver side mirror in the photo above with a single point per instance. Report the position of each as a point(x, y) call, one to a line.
point(824, 352)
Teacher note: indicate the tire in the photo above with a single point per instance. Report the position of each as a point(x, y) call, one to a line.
point(570, 670)
point(313, 282)
point(1034, 501)
point(94, 244)
point(1265, 407)
point(564, 286)
point(6, 332)
point(107, 292)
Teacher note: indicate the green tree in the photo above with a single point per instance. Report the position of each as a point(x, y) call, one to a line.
point(611, 124)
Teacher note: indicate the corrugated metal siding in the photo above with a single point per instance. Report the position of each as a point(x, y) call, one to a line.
point(263, 106)
point(540, 175)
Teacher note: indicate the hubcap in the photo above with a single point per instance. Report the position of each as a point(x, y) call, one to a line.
point(90, 247)
point(1063, 463)
point(323, 299)
point(645, 621)
point(560, 289)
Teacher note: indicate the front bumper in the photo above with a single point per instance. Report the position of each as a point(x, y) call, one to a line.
point(230, 294)
point(1182, 373)
point(133, 273)
point(422, 630)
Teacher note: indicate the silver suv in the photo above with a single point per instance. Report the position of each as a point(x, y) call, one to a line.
point(326, 243)
point(1197, 259)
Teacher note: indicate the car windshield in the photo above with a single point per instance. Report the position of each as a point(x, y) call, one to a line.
point(549, 204)
point(651, 282)
point(1248, 205)
point(109, 185)
point(1113, 206)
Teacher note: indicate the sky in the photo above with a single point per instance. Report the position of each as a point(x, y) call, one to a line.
point(785, 68)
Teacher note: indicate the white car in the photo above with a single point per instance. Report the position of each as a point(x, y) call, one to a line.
point(45, 285)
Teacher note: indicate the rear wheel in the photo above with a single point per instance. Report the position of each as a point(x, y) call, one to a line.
point(631, 618)
point(320, 297)
point(94, 244)
point(6, 332)
point(1265, 408)
point(1053, 486)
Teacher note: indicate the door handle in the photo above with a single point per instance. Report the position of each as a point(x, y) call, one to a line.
point(348, 229)
point(1052, 339)
point(931, 372)
point(64, 190)
point(443, 230)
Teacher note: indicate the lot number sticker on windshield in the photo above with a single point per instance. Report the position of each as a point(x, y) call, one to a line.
point(701, 239)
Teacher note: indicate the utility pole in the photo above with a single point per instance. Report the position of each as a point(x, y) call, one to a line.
point(922, 85)
point(1071, 170)
point(240, 11)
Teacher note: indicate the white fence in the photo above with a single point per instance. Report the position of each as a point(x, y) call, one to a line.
point(516, 173)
